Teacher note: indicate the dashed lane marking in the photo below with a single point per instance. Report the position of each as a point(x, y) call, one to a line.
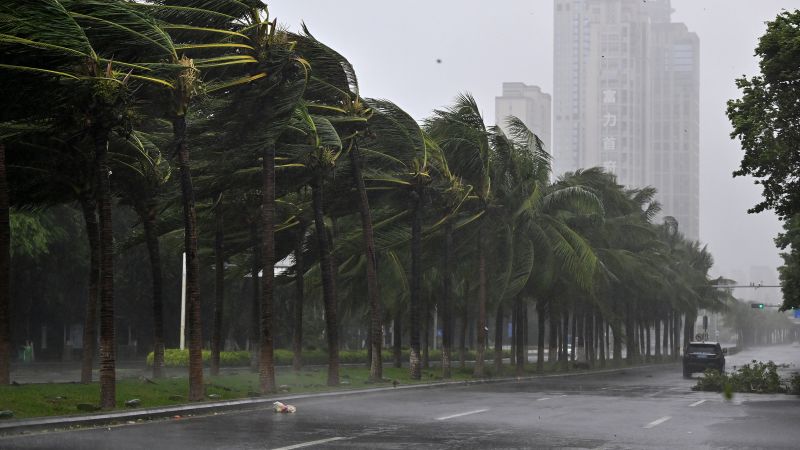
point(543, 398)
point(657, 422)
point(468, 413)
point(699, 402)
point(311, 443)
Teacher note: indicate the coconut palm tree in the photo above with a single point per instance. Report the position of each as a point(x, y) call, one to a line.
point(75, 41)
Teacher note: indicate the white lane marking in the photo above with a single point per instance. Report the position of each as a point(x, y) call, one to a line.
point(653, 394)
point(477, 411)
point(311, 443)
point(657, 422)
point(699, 402)
point(543, 398)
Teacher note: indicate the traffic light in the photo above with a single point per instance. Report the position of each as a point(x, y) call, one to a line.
point(757, 305)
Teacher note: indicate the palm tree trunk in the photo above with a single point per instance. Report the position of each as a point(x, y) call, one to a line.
point(512, 360)
point(299, 269)
point(602, 339)
point(196, 390)
point(521, 357)
point(5, 268)
point(565, 340)
point(328, 286)
point(462, 344)
point(658, 339)
point(416, 281)
point(266, 363)
point(574, 336)
point(552, 342)
point(107, 345)
point(219, 287)
point(540, 329)
point(426, 335)
point(147, 214)
point(481, 347)
point(255, 300)
point(89, 207)
point(447, 303)
point(397, 345)
point(373, 292)
point(498, 339)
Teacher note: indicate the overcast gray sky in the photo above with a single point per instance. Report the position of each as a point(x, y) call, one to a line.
point(394, 47)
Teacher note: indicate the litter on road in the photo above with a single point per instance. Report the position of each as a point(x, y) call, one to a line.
point(282, 408)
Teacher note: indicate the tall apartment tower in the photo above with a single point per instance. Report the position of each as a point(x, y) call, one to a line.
point(626, 89)
point(532, 106)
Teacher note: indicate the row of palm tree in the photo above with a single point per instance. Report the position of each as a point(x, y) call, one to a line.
point(376, 214)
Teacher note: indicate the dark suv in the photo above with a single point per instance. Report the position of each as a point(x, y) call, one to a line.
point(700, 356)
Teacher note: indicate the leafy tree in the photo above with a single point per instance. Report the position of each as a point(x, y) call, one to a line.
point(789, 272)
point(766, 119)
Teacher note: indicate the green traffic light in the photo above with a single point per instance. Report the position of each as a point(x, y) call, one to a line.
point(760, 306)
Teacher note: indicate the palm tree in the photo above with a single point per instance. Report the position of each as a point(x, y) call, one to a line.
point(461, 133)
point(5, 264)
point(48, 37)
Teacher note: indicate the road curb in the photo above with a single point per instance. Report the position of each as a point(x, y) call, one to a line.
point(53, 423)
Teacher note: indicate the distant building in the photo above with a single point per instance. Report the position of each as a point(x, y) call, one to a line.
point(626, 98)
point(528, 103)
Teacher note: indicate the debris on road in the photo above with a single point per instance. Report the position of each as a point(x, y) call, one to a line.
point(282, 408)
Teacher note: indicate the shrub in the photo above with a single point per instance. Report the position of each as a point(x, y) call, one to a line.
point(756, 377)
point(794, 384)
point(174, 357)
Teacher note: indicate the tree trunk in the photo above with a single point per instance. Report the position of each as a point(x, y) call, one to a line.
point(481, 347)
point(196, 389)
point(108, 396)
point(266, 365)
point(299, 269)
point(89, 207)
point(328, 286)
point(552, 342)
point(519, 335)
point(677, 332)
point(426, 335)
point(658, 339)
point(462, 344)
point(541, 324)
point(5, 268)
point(602, 340)
point(447, 303)
point(565, 339)
point(255, 300)
point(373, 290)
point(147, 214)
point(219, 286)
point(416, 281)
point(574, 336)
point(397, 345)
point(498, 339)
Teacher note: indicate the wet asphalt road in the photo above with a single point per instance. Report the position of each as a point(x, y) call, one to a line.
point(637, 408)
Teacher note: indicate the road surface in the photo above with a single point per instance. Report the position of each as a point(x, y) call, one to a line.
point(650, 407)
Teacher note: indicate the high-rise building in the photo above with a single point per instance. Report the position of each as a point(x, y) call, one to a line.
point(626, 90)
point(528, 103)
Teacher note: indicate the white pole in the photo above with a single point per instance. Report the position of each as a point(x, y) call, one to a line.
point(183, 303)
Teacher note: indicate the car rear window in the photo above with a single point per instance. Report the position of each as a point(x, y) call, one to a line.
point(702, 348)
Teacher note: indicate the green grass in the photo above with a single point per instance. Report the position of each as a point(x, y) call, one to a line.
point(55, 399)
